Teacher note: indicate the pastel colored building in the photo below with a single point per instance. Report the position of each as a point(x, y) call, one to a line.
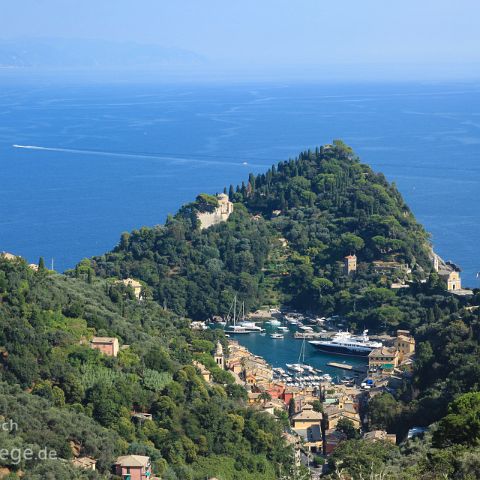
point(133, 467)
point(452, 279)
point(306, 418)
point(385, 358)
point(106, 345)
point(135, 285)
point(404, 343)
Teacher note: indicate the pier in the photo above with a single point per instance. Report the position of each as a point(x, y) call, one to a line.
point(346, 366)
point(307, 335)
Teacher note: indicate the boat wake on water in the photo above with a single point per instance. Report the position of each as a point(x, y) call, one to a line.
point(151, 156)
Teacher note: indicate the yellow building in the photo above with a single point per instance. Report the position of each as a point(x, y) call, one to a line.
point(384, 358)
point(350, 264)
point(306, 418)
point(135, 285)
point(452, 279)
point(404, 343)
point(204, 372)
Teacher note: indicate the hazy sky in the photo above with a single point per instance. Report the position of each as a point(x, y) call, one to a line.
point(270, 33)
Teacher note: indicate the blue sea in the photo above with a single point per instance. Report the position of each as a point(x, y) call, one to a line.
point(103, 159)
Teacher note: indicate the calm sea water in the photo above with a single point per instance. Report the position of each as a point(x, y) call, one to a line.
point(278, 352)
point(113, 158)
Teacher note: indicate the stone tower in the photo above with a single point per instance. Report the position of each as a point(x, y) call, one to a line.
point(350, 264)
point(219, 357)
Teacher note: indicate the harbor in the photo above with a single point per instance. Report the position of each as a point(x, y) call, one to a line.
point(280, 352)
point(289, 342)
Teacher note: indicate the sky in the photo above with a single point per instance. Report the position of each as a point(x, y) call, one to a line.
point(411, 37)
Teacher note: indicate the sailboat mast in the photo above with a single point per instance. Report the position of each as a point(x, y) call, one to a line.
point(234, 309)
point(302, 352)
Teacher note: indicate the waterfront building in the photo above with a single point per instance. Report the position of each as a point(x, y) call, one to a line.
point(384, 358)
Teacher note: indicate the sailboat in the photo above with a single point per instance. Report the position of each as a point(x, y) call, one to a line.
point(251, 326)
point(233, 328)
point(301, 366)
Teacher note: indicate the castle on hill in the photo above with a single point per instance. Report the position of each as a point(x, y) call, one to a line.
point(219, 214)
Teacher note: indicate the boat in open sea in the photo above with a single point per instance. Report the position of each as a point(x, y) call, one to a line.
point(344, 343)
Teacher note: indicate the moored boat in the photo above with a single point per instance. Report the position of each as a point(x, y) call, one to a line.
point(344, 343)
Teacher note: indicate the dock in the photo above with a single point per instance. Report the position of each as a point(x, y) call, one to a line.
point(346, 366)
point(307, 335)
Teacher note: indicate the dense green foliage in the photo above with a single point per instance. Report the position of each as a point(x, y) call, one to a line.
point(81, 397)
point(284, 244)
point(326, 204)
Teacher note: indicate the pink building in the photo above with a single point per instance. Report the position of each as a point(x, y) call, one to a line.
point(133, 467)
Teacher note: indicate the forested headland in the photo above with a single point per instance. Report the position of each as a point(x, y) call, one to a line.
point(284, 244)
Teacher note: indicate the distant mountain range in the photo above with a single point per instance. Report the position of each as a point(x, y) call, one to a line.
point(60, 53)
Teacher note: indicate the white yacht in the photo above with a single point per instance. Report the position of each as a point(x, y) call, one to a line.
point(344, 343)
point(251, 326)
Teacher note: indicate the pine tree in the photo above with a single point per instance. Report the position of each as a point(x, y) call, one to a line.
point(41, 264)
point(291, 407)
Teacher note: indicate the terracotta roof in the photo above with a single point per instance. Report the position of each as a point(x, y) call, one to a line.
point(384, 352)
point(308, 415)
point(133, 461)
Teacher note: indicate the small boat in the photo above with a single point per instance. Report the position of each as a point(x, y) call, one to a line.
point(251, 326)
point(295, 367)
point(306, 328)
point(283, 329)
point(276, 335)
point(274, 322)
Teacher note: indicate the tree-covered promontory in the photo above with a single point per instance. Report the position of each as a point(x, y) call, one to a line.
point(285, 243)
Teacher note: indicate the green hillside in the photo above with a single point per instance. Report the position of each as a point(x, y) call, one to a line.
point(285, 243)
point(63, 394)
